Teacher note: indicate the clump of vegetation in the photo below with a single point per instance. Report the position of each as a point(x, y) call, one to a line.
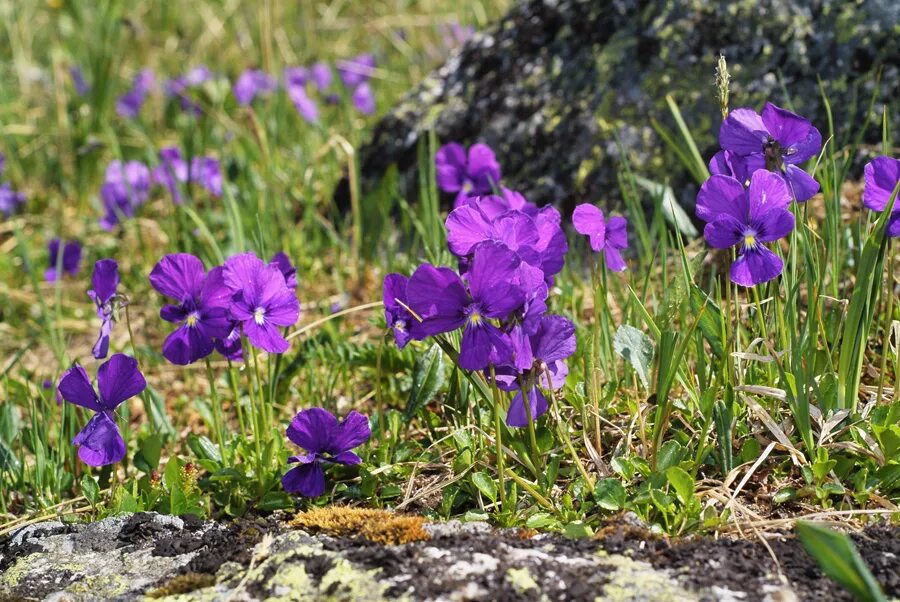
point(379, 526)
point(182, 584)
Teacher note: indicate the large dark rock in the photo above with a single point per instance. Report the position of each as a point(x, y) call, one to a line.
point(554, 84)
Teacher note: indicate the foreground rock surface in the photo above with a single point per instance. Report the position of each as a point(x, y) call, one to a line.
point(560, 87)
point(150, 556)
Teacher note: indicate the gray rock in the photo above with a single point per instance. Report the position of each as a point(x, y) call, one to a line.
point(559, 88)
point(131, 557)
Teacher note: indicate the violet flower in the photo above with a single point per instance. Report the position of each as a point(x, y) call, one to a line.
point(200, 309)
point(261, 301)
point(180, 88)
point(776, 140)
point(305, 106)
point(10, 200)
point(171, 171)
point(252, 83)
point(747, 219)
point(363, 99)
point(81, 85)
point(471, 173)
point(551, 344)
point(396, 313)
point(356, 71)
point(126, 188)
point(609, 236)
point(129, 104)
point(444, 302)
point(321, 76)
point(287, 269)
point(118, 379)
point(71, 259)
point(207, 172)
point(104, 282)
point(325, 441)
point(881, 177)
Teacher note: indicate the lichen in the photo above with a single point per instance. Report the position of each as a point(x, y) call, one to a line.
point(379, 526)
point(182, 584)
point(635, 580)
point(521, 580)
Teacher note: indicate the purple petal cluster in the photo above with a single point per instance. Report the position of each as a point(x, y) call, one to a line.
point(173, 172)
point(118, 379)
point(882, 175)
point(130, 103)
point(326, 441)
point(466, 173)
point(609, 236)
point(126, 187)
point(81, 85)
point(355, 74)
point(70, 262)
point(747, 219)
point(252, 83)
point(104, 282)
point(10, 200)
point(213, 309)
point(775, 140)
point(182, 86)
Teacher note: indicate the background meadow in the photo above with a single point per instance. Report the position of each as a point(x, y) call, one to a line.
point(694, 403)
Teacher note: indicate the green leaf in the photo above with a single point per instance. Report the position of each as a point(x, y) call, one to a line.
point(610, 494)
point(710, 325)
point(8, 460)
point(276, 500)
point(682, 482)
point(172, 476)
point(203, 448)
point(149, 450)
point(486, 485)
point(637, 349)
point(669, 455)
point(577, 530)
point(90, 490)
point(427, 380)
point(540, 520)
point(839, 559)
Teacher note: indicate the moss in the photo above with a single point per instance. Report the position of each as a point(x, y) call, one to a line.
point(379, 526)
point(182, 584)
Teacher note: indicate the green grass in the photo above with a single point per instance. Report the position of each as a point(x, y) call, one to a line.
point(734, 404)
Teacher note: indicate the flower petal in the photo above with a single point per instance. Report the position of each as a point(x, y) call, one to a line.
point(797, 136)
point(100, 442)
point(493, 279)
point(313, 429)
point(353, 431)
point(721, 195)
point(466, 226)
point(756, 266)
point(118, 379)
point(185, 345)
point(75, 387)
point(438, 297)
point(802, 185)
point(768, 191)
point(743, 132)
point(614, 260)
point(483, 345)
point(105, 279)
point(178, 276)
point(724, 232)
point(554, 340)
point(516, 415)
point(773, 225)
point(588, 220)
point(265, 336)
point(307, 479)
point(881, 176)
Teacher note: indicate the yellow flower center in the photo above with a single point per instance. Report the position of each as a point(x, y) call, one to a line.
point(475, 318)
point(192, 319)
point(750, 240)
point(259, 316)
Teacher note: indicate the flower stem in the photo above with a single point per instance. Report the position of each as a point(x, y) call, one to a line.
point(498, 437)
point(888, 316)
point(217, 413)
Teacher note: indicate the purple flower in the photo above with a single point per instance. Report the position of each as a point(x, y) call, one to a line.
point(118, 379)
point(261, 301)
point(171, 171)
point(296, 76)
point(251, 83)
point(104, 282)
point(466, 174)
point(230, 346)
point(609, 236)
point(207, 172)
point(552, 342)
point(881, 176)
point(396, 313)
point(200, 309)
point(747, 219)
point(71, 259)
point(444, 302)
point(180, 87)
point(126, 188)
point(321, 76)
point(305, 106)
point(287, 269)
point(356, 71)
point(325, 441)
point(2, 163)
point(457, 35)
point(776, 140)
point(363, 99)
point(81, 86)
point(10, 200)
point(129, 104)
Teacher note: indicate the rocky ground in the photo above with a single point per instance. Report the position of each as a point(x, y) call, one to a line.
point(151, 556)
